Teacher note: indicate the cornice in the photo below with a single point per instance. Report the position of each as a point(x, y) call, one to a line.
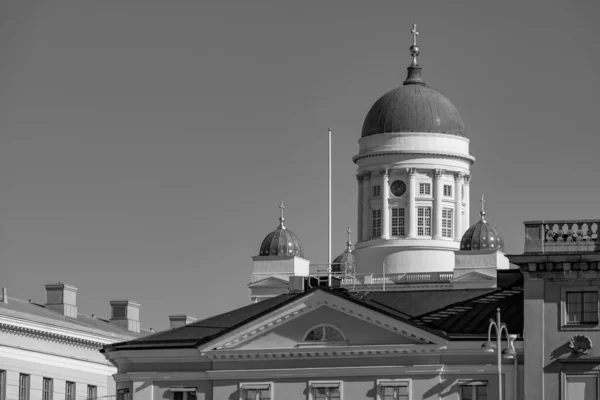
point(50, 336)
point(470, 159)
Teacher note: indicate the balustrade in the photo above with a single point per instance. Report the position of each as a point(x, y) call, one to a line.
point(562, 236)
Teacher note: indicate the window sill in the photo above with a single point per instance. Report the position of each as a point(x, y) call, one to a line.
point(580, 327)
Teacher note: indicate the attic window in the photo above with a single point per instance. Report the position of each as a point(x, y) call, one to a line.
point(324, 333)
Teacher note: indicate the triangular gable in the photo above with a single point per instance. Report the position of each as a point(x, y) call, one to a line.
point(269, 282)
point(320, 297)
point(474, 277)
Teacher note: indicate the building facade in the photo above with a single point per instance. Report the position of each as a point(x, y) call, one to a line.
point(51, 351)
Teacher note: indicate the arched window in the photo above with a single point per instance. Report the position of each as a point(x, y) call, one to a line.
point(324, 333)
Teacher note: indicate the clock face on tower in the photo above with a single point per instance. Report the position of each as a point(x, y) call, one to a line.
point(398, 188)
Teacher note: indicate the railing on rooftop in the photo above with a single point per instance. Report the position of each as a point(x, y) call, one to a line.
point(380, 279)
point(562, 236)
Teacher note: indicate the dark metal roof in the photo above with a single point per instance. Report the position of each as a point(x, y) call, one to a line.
point(482, 236)
point(344, 263)
point(281, 242)
point(413, 108)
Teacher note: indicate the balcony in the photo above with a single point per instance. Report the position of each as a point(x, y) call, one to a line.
point(561, 236)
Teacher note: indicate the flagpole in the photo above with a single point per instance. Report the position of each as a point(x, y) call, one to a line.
point(329, 231)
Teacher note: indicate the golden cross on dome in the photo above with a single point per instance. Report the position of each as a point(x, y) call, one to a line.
point(482, 207)
point(281, 219)
point(415, 34)
point(349, 232)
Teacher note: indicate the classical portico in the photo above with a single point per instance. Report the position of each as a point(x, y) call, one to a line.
point(413, 180)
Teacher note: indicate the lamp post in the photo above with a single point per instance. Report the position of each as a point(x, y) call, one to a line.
point(490, 347)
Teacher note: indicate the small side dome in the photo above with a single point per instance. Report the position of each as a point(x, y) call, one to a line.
point(281, 242)
point(344, 263)
point(482, 236)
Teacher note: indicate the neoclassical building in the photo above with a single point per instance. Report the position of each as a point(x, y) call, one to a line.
point(51, 351)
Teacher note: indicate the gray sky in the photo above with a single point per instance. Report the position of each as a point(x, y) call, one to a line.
point(146, 145)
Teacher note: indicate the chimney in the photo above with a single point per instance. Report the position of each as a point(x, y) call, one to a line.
point(126, 314)
point(4, 296)
point(179, 320)
point(62, 298)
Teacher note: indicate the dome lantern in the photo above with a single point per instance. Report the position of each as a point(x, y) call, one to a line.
point(281, 242)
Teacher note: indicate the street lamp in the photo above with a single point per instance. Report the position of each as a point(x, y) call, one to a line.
point(490, 347)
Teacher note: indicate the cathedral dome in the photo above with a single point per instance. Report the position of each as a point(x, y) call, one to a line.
point(281, 242)
point(482, 236)
point(344, 263)
point(413, 107)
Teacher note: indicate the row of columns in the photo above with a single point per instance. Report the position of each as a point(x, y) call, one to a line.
point(461, 182)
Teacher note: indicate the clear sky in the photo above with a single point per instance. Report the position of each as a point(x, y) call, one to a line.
point(145, 145)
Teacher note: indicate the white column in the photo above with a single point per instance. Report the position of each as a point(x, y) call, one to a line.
point(459, 178)
point(467, 201)
point(412, 211)
point(359, 214)
point(437, 202)
point(365, 208)
point(385, 204)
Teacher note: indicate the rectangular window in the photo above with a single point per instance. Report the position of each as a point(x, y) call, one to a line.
point(425, 189)
point(448, 190)
point(92, 392)
point(394, 390)
point(23, 387)
point(70, 391)
point(447, 222)
point(325, 391)
point(255, 391)
point(2, 385)
point(376, 190)
point(123, 394)
point(397, 221)
point(47, 389)
point(581, 387)
point(183, 393)
point(376, 223)
point(474, 390)
point(424, 221)
point(582, 307)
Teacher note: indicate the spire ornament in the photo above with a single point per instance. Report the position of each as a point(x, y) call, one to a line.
point(349, 242)
point(482, 212)
point(414, 49)
point(281, 219)
point(414, 71)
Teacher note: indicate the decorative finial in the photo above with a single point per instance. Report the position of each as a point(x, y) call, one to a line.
point(482, 213)
point(281, 219)
point(414, 71)
point(349, 242)
point(414, 49)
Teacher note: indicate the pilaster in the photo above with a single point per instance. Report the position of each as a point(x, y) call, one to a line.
point(385, 204)
point(365, 207)
point(412, 211)
point(359, 214)
point(437, 202)
point(466, 201)
point(458, 184)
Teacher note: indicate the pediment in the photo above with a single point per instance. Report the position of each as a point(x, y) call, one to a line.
point(361, 325)
point(474, 277)
point(269, 282)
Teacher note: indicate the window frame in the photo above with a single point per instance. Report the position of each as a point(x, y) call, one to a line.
point(381, 383)
point(324, 383)
point(123, 394)
point(73, 385)
point(424, 189)
point(376, 228)
point(565, 375)
point(447, 188)
point(564, 317)
point(2, 384)
point(447, 223)
point(376, 191)
point(426, 228)
point(182, 389)
point(399, 218)
point(329, 342)
point(24, 391)
point(47, 393)
point(473, 384)
point(243, 386)
point(95, 392)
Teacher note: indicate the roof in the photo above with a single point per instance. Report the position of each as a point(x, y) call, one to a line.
point(281, 242)
point(413, 107)
point(471, 317)
point(39, 313)
point(482, 236)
